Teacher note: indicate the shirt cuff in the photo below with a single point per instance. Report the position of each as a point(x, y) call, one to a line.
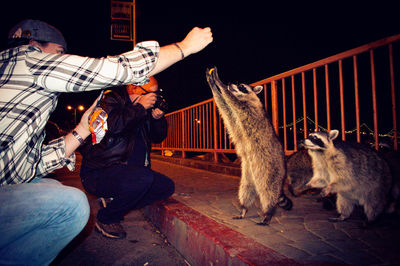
point(53, 157)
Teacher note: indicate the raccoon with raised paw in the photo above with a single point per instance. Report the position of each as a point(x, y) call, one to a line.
point(299, 173)
point(260, 150)
point(358, 174)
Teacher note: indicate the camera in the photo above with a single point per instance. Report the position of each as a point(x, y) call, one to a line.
point(161, 103)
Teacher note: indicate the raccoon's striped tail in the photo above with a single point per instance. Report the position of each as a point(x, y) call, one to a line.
point(284, 202)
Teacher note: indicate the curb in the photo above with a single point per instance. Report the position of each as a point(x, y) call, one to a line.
point(203, 241)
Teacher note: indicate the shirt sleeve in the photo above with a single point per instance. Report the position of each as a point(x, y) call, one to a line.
point(53, 157)
point(72, 73)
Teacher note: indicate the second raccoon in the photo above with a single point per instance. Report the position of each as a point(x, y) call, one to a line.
point(357, 174)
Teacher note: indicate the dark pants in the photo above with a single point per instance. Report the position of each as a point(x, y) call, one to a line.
point(131, 187)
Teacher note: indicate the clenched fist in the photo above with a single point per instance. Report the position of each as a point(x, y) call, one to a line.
point(196, 40)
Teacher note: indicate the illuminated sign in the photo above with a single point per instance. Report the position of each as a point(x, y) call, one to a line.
point(122, 20)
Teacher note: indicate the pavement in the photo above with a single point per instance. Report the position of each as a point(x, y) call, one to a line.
point(144, 244)
point(195, 227)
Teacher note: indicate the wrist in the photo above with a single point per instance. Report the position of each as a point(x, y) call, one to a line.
point(180, 50)
point(183, 49)
point(82, 131)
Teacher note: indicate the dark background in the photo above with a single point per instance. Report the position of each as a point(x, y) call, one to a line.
point(253, 40)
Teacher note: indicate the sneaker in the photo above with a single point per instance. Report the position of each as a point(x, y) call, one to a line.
point(114, 230)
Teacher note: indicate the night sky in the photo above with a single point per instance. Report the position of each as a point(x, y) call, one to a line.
point(253, 40)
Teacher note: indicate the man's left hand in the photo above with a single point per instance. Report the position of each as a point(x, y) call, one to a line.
point(157, 113)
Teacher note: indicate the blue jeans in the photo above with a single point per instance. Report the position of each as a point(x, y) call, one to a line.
point(38, 219)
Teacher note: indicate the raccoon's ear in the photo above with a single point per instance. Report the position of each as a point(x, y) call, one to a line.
point(333, 134)
point(258, 89)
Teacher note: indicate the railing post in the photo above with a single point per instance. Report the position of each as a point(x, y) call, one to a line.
point(215, 131)
point(183, 135)
point(303, 91)
point(342, 114)
point(328, 101)
point(393, 90)
point(274, 106)
point(162, 148)
point(294, 115)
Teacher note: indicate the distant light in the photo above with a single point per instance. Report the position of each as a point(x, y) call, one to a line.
point(80, 107)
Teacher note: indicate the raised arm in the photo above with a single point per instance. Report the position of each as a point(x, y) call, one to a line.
point(196, 40)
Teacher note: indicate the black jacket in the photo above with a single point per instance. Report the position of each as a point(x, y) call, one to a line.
point(123, 119)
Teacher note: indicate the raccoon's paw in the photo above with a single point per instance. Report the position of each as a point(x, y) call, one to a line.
point(341, 218)
point(266, 220)
point(329, 190)
point(326, 192)
point(242, 213)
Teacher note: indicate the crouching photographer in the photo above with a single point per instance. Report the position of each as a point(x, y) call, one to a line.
point(117, 170)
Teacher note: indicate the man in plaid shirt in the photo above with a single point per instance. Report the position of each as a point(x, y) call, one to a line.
point(39, 217)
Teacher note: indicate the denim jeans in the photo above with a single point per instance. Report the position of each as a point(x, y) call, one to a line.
point(38, 219)
point(131, 187)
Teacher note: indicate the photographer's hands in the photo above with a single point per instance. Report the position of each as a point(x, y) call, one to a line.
point(147, 100)
point(157, 113)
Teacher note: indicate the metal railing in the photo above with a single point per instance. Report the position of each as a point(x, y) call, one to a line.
point(347, 91)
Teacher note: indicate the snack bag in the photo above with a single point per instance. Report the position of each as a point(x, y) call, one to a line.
point(98, 124)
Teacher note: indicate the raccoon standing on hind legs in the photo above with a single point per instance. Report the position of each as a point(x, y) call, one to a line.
point(261, 153)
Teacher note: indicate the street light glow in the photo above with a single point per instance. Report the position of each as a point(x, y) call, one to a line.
point(80, 108)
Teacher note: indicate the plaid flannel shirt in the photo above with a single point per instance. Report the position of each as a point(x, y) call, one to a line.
point(30, 82)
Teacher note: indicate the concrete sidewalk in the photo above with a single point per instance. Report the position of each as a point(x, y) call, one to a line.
point(200, 215)
point(144, 244)
point(195, 227)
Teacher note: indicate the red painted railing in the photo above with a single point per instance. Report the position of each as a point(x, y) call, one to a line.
point(351, 91)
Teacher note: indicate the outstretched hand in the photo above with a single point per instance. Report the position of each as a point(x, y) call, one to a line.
point(196, 40)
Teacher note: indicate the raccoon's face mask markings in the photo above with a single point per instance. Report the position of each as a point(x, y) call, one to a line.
point(243, 88)
point(321, 140)
point(314, 142)
point(241, 93)
point(317, 141)
point(234, 88)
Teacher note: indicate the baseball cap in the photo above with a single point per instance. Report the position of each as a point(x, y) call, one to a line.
point(37, 30)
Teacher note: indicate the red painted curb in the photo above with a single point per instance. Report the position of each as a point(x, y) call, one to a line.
point(203, 241)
